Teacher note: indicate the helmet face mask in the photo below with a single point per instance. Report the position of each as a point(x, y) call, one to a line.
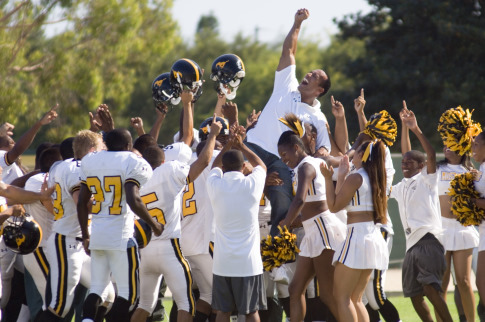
point(163, 92)
point(228, 72)
point(21, 235)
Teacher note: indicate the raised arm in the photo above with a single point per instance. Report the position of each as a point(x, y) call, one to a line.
point(16, 195)
point(289, 45)
point(359, 104)
point(205, 155)
point(221, 100)
point(409, 119)
point(161, 111)
point(405, 141)
point(26, 140)
point(341, 132)
point(252, 158)
point(187, 133)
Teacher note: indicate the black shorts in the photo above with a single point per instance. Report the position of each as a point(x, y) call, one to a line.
point(244, 294)
point(424, 264)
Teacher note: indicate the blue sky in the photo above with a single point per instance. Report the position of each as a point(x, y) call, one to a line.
point(273, 18)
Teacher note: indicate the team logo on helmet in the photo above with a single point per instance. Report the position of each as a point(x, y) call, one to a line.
point(221, 64)
point(227, 73)
point(186, 74)
point(20, 240)
point(159, 82)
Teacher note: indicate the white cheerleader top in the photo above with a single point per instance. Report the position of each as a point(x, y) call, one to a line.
point(362, 199)
point(446, 173)
point(316, 191)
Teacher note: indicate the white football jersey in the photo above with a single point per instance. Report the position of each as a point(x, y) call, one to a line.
point(65, 177)
point(37, 210)
point(198, 228)
point(105, 174)
point(10, 171)
point(162, 195)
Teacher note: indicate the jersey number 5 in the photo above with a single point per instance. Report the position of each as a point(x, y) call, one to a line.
point(154, 212)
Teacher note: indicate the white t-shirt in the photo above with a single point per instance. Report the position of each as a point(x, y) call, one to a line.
point(162, 195)
point(37, 210)
point(10, 171)
point(287, 99)
point(235, 200)
point(419, 206)
point(105, 173)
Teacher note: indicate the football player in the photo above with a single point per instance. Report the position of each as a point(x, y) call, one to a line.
point(113, 178)
point(68, 262)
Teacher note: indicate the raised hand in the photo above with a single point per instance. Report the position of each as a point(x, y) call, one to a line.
point(408, 118)
point(359, 102)
point(187, 96)
point(105, 119)
point(137, 124)
point(327, 171)
point(252, 119)
point(301, 15)
point(216, 126)
point(344, 166)
point(337, 108)
point(49, 116)
point(229, 109)
point(6, 129)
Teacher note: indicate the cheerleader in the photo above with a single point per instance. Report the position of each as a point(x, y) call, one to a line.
point(458, 240)
point(363, 194)
point(323, 231)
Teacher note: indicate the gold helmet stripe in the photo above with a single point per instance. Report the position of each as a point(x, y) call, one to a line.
point(242, 64)
point(197, 76)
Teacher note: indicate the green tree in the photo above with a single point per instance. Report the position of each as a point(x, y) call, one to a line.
point(100, 57)
point(429, 53)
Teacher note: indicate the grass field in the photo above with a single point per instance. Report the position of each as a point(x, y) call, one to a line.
point(402, 304)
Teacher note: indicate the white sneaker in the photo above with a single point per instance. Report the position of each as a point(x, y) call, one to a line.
point(279, 275)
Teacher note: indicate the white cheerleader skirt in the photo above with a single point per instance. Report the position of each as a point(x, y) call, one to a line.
point(363, 248)
point(458, 237)
point(324, 231)
point(481, 231)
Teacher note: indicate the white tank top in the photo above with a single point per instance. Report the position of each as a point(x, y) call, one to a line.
point(362, 199)
point(446, 173)
point(316, 191)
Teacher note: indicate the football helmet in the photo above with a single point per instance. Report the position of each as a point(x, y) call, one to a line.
point(227, 73)
point(143, 233)
point(186, 74)
point(205, 127)
point(21, 235)
point(163, 92)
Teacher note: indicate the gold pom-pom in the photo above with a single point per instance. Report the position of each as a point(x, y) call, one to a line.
point(294, 123)
point(457, 129)
point(275, 251)
point(462, 190)
point(382, 126)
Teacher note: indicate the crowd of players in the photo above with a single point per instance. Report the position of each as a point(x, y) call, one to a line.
point(121, 218)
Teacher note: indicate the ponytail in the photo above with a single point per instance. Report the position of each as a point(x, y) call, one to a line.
point(374, 163)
